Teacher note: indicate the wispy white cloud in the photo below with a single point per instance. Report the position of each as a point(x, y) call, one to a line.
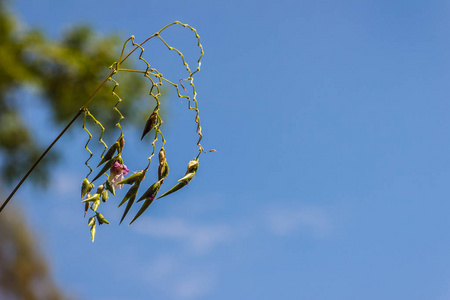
point(284, 221)
point(194, 285)
point(200, 237)
point(171, 275)
point(181, 274)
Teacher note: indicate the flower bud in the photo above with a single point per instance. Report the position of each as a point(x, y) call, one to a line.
point(105, 195)
point(162, 156)
point(86, 187)
point(110, 188)
point(96, 204)
point(101, 219)
point(93, 230)
point(91, 221)
point(100, 189)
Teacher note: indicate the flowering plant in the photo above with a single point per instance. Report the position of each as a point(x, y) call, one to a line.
point(111, 160)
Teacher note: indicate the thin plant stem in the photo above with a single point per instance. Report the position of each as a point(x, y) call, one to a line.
point(80, 111)
point(40, 158)
point(114, 70)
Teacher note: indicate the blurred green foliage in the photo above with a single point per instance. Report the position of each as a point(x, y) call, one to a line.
point(63, 74)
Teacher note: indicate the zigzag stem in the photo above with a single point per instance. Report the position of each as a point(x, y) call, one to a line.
point(114, 70)
point(100, 140)
point(87, 143)
point(116, 84)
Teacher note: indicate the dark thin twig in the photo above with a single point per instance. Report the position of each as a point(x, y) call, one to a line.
point(39, 159)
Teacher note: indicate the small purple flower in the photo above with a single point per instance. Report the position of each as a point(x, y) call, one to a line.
point(117, 172)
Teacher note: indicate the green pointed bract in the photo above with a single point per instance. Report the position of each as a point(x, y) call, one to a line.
point(143, 208)
point(178, 186)
point(110, 188)
point(190, 173)
point(151, 191)
point(92, 198)
point(106, 167)
point(93, 230)
point(136, 177)
point(86, 187)
point(188, 177)
point(130, 194)
point(101, 219)
point(105, 195)
point(91, 221)
point(130, 201)
point(109, 154)
point(96, 204)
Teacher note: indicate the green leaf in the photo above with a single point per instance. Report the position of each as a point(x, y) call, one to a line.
point(142, 209)
point(188, 177)
point(110, 153)
point(151, 191)
point(130, 201)
point(92, 198)
point(107, 166)
point(174, 189)
point(138, 176)
point(131, 193)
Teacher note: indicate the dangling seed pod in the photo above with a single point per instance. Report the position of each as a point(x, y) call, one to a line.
point(151, 122)
point(121, 141)
point(192, 166)
point(163, 168)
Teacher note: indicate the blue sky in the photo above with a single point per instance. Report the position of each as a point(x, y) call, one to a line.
point(331, 178)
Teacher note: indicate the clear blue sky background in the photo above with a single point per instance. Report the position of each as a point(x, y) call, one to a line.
point(331, 121)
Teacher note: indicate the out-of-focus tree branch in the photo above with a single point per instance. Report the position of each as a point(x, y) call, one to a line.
point(24, 274)
point(63, 74)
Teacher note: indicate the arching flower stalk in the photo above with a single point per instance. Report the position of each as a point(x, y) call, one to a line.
point(112, 160)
